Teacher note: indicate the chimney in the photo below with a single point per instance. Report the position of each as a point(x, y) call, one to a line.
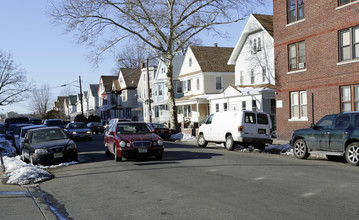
point(215, 45)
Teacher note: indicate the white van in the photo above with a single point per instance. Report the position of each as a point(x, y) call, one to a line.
point(232, 127)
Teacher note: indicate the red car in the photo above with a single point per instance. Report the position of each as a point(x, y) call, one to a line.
point(132, 139)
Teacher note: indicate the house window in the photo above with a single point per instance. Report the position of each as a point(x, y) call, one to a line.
point(197, 83)
point(218, 83)
point(252, 76)
point(179, 87)
point(157, 112)
point(259, 47)
point(295, 10)
point(299, 104)
point(244, 105)
point(225, 106)
point(343, 2)
point(254, 105)
point(124, 97)
point(264, 75)
point(160, 90)
point(190, 62)
point(349, 98)
point(349, 44)
point(241, 78)
point(189, 85)
point(254, 45)
point(296, 56)
point(217, 107)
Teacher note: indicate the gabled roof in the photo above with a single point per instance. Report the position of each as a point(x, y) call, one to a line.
point(93, 89)
point(107, 82)
point(60, 102)
point(116, 85)
point(266, 21)
point(256, 22)
point(213, 59)
point(131, 76)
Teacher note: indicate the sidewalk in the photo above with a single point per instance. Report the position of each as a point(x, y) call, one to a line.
point(17, 202)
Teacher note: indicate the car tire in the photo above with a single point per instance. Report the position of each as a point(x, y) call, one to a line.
point(352, 154)
point(201, 141)
point(32, 160)
point(116, 157)
point(229, 143)
point(300, 149)
point(158, 157)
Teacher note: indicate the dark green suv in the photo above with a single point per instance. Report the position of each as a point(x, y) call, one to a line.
point(334, 135)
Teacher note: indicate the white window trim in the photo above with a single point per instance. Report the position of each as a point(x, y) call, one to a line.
point(215, 83)
point(297, 71)
point(346, 5)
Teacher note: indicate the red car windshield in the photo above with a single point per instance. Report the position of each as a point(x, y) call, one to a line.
point(133, 128)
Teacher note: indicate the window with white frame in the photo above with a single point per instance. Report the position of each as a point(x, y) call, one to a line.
point(259, 46)
point(160, 90)
point(241, 78)
point(349, 44)
point(349, 98)
point(189, 83)
point(179, 85)
point(299, 107)
point(217, 107)
point(264, 74)
point(244, 105)
point(184, 85)
point(124, 97)
point(219, 83)
point(254, 105)
point(252, 77)
point(197, 82)
point(225, 106)
point(190, 62)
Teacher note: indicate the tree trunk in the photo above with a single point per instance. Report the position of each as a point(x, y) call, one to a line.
point(171, 97)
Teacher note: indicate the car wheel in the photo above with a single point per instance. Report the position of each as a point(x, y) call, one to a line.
point(260, 146)
point(32, 161)
point(300, 149)
point(201, 141)
point(352, 154)
point(116, 157)
point(229, 143)
point(158, 157)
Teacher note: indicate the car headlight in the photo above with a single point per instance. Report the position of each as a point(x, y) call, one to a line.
point(88, 132)
point(41, 151)
point(74, 132)
point(160, 142)
point(71, 146)
point(122, 144)
point(128, 145)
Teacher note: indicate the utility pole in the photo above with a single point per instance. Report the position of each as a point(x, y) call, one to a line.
point(82, 106)
point(148, 92)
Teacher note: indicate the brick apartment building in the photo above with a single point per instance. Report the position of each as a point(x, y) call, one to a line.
point(316, 55)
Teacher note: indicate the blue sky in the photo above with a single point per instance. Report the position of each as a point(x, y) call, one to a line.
point(51, 57)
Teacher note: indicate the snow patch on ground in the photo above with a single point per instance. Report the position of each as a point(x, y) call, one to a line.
point(182, 137)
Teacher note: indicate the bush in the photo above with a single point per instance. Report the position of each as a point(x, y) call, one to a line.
point(94, 118)
point(80, 118)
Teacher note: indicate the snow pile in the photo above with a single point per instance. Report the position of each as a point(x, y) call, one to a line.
point(22, 173)
point(9, 150)
point(182, 137)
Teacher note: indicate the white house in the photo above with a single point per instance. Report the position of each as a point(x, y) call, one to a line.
point(160, 98)
point(253, 58)
point(204, 73)
point(104, 96)
point(92, 99)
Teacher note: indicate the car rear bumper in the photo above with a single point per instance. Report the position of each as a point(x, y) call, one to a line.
point(135, 152)
point(49, 158)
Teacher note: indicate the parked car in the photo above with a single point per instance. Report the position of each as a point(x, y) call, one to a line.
point(79, 130)
point(236, 127)
point(35, 121)
point(335, 135)
point(48, 145)
point(54, 122)
point(19, 135)
point(11, 131)
point(133, 139)
point(2, 128)
point(162, 130)
point(16, 120)
point(96, 127)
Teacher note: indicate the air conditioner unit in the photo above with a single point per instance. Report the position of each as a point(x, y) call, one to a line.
point(301, 65)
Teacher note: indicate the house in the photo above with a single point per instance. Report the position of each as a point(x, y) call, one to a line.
point(317, 61)
point(104, 95)
point(72, 107)
point(253, 58)
point(92, 99)
point(145, 94)
point(204, 73)
point(128, 79)
point(160, 98)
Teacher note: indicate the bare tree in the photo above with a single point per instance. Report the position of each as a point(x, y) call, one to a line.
point(13, 84)
point(41, 100)
point(164, 26)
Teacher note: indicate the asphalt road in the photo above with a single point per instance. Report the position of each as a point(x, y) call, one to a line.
point(202, 183)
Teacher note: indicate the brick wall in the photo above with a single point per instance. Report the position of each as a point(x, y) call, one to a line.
point(324, 73)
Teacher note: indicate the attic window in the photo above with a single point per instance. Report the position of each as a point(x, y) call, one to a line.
point(259, 47)
point(121, 79)
point(190, 62)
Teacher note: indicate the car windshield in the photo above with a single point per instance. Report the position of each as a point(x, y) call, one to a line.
point(47, 135)
point(77, 126)
point(55, 123)
point(133, 128)
point(159, 126)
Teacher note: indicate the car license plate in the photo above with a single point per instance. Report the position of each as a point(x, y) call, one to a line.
point(261, 131)
point(142, 150)
point(58, 155)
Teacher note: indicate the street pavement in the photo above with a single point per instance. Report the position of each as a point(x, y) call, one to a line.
point(23, 202)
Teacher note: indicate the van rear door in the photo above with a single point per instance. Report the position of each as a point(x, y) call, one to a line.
point(263, 126)
point(250, 125)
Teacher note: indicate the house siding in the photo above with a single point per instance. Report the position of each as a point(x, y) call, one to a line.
point(324, 74)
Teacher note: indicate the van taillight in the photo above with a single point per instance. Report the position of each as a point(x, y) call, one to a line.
point(240, 128)
point(270, 131)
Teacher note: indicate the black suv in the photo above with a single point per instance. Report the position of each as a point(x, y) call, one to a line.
point(335, 135)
